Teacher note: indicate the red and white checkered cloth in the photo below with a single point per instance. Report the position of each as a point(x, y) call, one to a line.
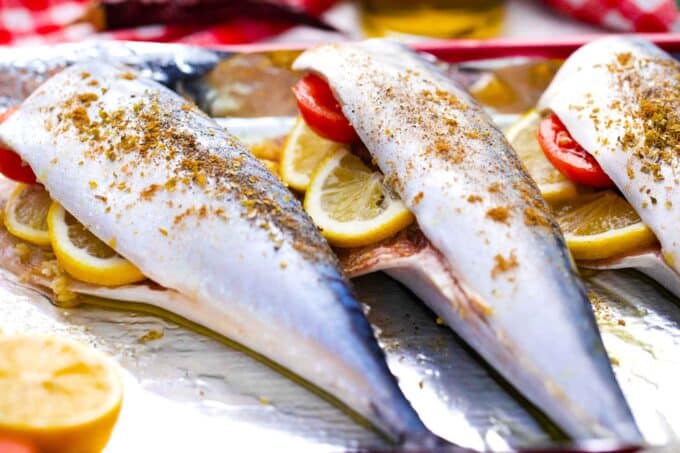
point(623, 15)
point(27, 20)
point(48, 21)
point(24, 22)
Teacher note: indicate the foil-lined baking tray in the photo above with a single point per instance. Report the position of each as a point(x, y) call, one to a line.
point(187, 388)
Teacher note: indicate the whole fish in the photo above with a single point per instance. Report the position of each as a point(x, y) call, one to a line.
point(619, 98)
point(488, 258)
point(231, 247)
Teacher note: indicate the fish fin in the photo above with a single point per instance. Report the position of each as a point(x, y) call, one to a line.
point(389, 253)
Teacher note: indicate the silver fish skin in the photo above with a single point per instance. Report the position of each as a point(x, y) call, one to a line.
point(23, 69)
point(497, 271)
point(599, 94)
point(180, 198)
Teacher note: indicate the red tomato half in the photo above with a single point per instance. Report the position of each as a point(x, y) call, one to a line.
point(11, 164)
point(16, 446)
point(321, 110)
point(568, 157)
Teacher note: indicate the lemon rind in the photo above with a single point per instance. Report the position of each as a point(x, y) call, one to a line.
point(114, 271)
point(294, 179)
point(288, 175)
point(18, 229)
point(84, 418)
point(361, 233)
point(558, 192)
point(610, 243)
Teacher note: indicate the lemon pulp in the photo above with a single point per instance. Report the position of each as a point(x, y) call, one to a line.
point(350, 203)
point(302, 153)
point(57, 393)
point(602, 225)
point(83, 255)
point(26, 213)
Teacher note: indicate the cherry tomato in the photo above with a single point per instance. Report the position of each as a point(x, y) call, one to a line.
point(568, 157)
point(321, 110)
point(8, 445)
point(11, 164)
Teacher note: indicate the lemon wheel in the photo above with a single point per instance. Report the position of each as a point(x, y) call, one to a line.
point(602, 225)
point(302, 153)
point(350, 204)
point(83, 255)
point(58, 394)
point(26, 213)
point(554, 186)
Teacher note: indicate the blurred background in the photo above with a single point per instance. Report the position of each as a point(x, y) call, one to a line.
point(215, 22)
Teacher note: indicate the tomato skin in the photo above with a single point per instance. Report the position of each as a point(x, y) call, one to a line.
point(14, 168)
point(8, 445)
point(7, 113)
point(11, 164)
point(321, 111)
point(568, 157)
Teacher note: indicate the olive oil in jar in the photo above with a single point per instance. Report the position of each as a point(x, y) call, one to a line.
point(432, 18)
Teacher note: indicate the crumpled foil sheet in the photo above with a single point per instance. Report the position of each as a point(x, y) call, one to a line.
point(23, 69)
point(184, 389)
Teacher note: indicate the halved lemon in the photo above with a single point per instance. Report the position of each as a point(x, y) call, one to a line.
point(350, 204)
point(602, 225)
point(26, 213)
point(58, 394)
point(302, 152)
point(83, 255)
point(554, 186)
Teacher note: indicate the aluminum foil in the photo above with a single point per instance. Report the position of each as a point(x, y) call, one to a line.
point(189, 390)
point(23, 69)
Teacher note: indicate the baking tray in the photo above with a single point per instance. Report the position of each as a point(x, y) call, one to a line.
point(187, 388)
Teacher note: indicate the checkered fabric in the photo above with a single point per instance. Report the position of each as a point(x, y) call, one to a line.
point(48, 21)
point(34, 20)
point(623, 15)
point(25, 22)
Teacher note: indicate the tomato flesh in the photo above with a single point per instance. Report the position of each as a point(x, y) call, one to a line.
point(321, 111)
point(11, 164)
point(10, 445)
point(568, 157)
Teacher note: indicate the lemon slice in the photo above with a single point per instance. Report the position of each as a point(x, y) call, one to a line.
point(351, 205)
point(58, 394)
point(83, 255)
point(602, 225)
point(26, 213)
point(554, 186)
point(302, 153)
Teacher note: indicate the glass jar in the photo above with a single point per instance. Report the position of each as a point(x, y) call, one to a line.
point(409, 19)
